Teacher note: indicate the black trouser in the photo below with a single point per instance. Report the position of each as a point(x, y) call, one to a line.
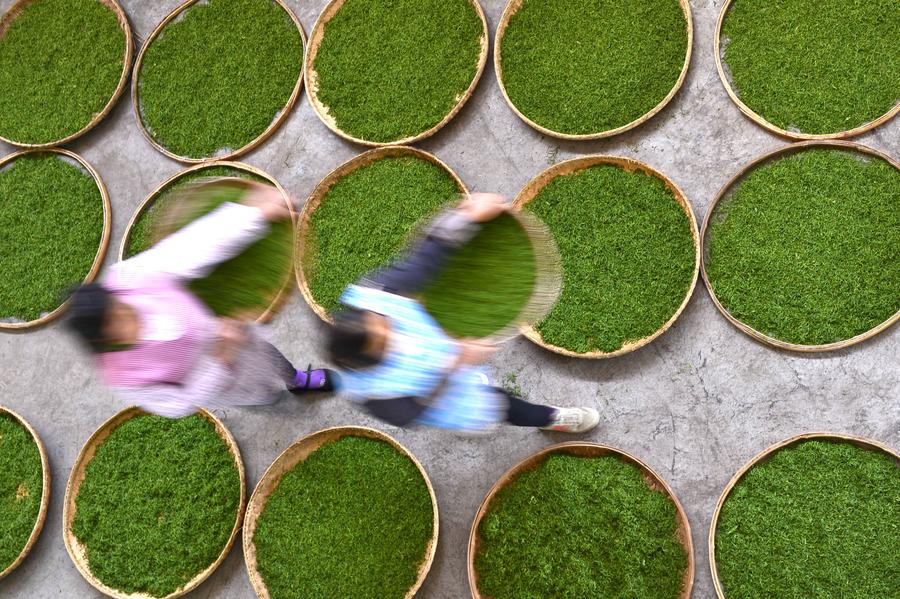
point(402, 411)
point(523, 413)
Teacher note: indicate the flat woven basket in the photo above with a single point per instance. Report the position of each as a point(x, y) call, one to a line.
point(78, 552)
point(725, 193)
point(548, 275)
point(587, 450)
point(279, 298)
point(725, 77)
point(45, 493)
point(536, 185)
point(513, 7)
point(324, 113)
point(122, 17)
point(298, 452)
point(104, 236)
point(225, 155)
point(762, 457)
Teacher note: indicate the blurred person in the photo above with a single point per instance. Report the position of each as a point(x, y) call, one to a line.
point(160, 348)
point(404, 369)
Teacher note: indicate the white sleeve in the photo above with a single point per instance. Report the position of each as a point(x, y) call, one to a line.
point(175, 401)
point(194, 250)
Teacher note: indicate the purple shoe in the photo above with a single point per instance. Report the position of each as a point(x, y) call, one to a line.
point(321, 379)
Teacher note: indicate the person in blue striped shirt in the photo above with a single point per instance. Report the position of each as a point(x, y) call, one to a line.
point(401, 366)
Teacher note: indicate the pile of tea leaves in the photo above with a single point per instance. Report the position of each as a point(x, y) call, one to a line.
point(367, 217)
point(817, 519)
point(783, 67)
point(627, 252)
point(806, 248)
point(21, 487)
point(586, 66)
point(392, 70)
point(51, 224)
point(245, 284)
point(158, 503)
point(60, 64)
point(217, 76)
point(580, 527)
point(487, 284)
point(352, 520)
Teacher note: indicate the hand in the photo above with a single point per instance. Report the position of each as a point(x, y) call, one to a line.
point(474, 352)
point(482, 207)
point(232, 335)
point(269, 201)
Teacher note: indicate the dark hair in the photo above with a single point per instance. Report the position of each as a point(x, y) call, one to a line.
point(348, 336)
point(88, 306)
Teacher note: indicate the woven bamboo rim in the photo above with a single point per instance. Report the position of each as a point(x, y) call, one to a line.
point(315, 199)
point(285, 292)
point(567, 167)
point(759, 120)
point(45, 492)
point(765, 455)
point(104, 236)
point(78, 552)
point(323, 112)
point(513, 7)
point(298, 452)
point(122, 17)
point(587, 450)
point(253, 144)
point(724, 192)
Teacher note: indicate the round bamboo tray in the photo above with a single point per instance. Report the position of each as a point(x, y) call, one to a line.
point(513, 7)
point(78, 552)
point(122, 17)
point(547, 281)
point(765, 455)
point(548, 276)
point(322, 111)
point(322, 189)
point(756, 118)
point(587, 450)
point(284, 293)
point(104, 238)
point(273, 126)
point(724, 192)
point(45, 493)
point(296, 453)
point(567, 167)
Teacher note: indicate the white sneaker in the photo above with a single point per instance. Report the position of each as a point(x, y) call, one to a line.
point(573, 420)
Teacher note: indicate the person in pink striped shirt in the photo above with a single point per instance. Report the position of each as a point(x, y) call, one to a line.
point(160, 348)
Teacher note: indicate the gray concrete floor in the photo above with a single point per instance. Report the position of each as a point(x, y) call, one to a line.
point(695, 404)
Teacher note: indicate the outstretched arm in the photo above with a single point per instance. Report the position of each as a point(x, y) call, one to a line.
point(446, 234)
point(194, 250)
point(202, 389)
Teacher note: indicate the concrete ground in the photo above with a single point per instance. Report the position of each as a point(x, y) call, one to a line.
point(695, 404)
